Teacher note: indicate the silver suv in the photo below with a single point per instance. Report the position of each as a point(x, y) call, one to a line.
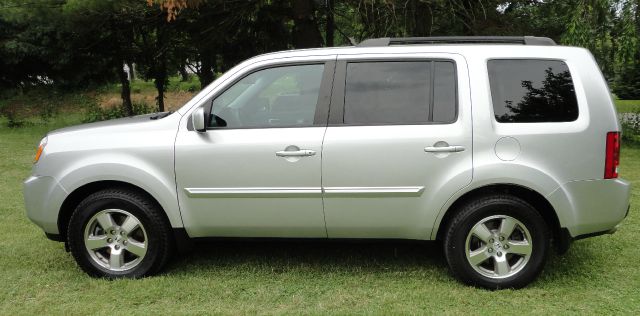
point(498, 147)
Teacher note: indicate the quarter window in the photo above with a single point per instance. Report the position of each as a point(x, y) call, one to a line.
point(399, 92)
point(529, 91)
point(275, 97)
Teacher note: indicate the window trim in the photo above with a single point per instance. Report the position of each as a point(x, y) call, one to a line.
point(573, 81)
point(322, 105)
point(337, 109)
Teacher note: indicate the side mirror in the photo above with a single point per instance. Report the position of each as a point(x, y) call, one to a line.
point(197, 119)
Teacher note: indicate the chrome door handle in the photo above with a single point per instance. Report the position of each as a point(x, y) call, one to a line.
point(296, 153)
point(445, 149)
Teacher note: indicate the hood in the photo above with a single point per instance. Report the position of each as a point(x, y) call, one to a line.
point(123, 123)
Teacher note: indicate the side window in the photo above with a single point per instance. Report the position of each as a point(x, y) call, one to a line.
point(530, 91)
point(276, 97)
point(400, 92)
point(444, 92)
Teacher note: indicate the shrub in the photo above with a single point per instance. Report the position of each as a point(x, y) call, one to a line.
point(630, 125)
point(95, 113)
point(627, 85)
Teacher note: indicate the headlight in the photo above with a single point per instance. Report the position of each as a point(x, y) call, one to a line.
point(43, 143)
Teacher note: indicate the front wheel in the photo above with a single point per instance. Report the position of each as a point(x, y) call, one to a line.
point(497, 242)
point(118, 233)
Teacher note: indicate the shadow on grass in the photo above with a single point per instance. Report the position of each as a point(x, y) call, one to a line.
point(577, 266)
point(330, 258)
point(335, 256)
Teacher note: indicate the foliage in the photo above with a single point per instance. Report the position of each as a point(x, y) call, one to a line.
point(77, 43)
point(173, 7)
point(19, 107)
point(191, 85)
point(554, 100)
point(36, 48)
point(627, 85)
point(630, 122)
point(94, 113)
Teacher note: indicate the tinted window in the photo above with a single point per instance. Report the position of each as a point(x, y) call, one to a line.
point(444, 92)
point(525, 91)
point(399, 92)
point(275, 97)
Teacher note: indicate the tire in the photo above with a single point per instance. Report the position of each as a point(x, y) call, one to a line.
point(136, 243)
point(493, 258)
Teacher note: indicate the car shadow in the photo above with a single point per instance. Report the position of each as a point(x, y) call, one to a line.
point(342, 255)
point(358, 257)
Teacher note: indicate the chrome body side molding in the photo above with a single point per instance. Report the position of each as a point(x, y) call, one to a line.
point(284, 191)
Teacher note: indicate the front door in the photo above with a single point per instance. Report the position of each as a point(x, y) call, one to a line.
point(255, 172)
point(398, 144)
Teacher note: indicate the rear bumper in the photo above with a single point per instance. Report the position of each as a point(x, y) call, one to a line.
point(43, 196)
point(591, 207)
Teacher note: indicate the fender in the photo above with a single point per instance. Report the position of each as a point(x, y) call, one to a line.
point(512, 173)
point(160, 184)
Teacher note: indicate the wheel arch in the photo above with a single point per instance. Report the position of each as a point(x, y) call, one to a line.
point(537, 200)
point(76, 196)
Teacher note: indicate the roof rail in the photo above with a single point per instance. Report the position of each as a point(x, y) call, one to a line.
point(524, 40)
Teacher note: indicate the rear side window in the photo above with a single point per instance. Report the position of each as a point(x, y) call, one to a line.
point(532, 91)
point(400, 93)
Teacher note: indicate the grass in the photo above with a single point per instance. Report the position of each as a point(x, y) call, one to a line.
point(597, 276)
point(141, 86)
point(627, 106)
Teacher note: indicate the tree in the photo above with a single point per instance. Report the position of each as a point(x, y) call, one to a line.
point(554, 101)
point(305, 26)
point(330, 25)
point(106, 30)
point(627, 84)
point(158, 52)
point(38, 47)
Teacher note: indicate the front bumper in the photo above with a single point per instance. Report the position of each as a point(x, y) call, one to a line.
point(43, 196)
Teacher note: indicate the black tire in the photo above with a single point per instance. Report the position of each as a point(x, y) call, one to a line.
point(477, 210)
point(149, 216)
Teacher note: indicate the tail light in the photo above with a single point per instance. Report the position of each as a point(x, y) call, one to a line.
point(612, 158)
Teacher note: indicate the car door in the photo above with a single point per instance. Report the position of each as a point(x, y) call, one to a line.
point(255, 171)
point(398, 143)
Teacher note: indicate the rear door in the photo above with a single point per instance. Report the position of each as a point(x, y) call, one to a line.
point(398, 143)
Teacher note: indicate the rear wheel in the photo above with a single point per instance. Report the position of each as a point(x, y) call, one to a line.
point(119, 233)
point(497, 242)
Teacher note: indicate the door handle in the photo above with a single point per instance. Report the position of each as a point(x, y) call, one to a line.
point(296, 153)
point(445, 149)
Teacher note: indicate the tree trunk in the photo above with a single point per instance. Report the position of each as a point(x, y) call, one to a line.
point(183, 73)
point(205, 74)
point(160, 62)
point(160, 83)
point(330, 24)
point(305, 30)
point(422, 19)
point(125, 93)
point(132, 71)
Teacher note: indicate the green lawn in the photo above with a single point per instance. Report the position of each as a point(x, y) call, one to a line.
point(597, 276)
point(627, 105)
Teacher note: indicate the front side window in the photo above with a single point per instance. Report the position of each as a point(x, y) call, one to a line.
point(400, 92)
point(530, 91)
point(276, 97)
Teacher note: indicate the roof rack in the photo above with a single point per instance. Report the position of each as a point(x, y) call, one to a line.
point(524, 40)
